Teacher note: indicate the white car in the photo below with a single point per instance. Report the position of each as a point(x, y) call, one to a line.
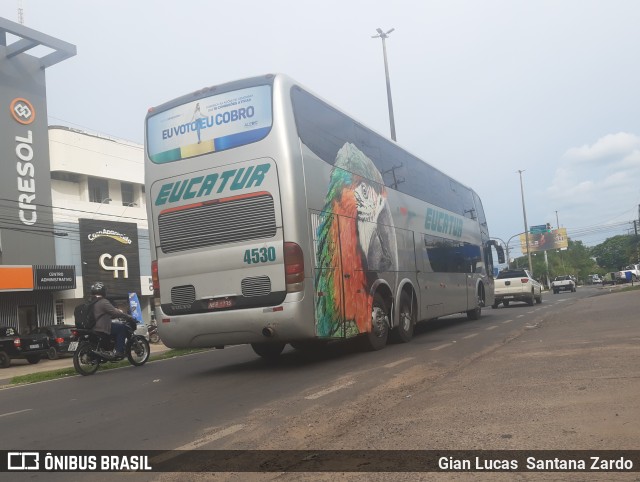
point(516, 285)
point(563, 283)
point(634, 273)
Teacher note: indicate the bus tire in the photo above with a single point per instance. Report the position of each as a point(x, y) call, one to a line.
point(376, 338)
point(475, 313)
point(406, 319)
point(268, 351)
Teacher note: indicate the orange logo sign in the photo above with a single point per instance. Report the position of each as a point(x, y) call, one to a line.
point(22, 111)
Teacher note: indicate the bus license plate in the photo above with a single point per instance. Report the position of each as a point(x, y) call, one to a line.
point(73, 346)
point(218, 304)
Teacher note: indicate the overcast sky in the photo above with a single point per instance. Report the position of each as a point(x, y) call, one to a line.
point(481, 89)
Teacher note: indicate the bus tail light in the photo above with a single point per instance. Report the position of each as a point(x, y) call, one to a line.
point(293, 267)
point(155, 283)
point(154, 278)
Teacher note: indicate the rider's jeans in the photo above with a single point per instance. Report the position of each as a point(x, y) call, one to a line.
point(120, 332)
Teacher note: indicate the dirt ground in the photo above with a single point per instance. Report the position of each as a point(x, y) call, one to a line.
point(569, 383)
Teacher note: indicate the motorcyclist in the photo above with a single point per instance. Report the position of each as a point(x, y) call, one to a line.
point(104, 312)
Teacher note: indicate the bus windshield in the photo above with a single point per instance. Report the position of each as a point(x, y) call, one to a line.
point(210, 124)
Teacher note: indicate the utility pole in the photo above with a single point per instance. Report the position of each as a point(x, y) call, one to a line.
point(20, 13)
point(384, 35)
point(526, 228)
point(561, 260)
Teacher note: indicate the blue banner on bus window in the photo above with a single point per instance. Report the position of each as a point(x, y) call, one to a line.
point(134, 308)
point(210, 124)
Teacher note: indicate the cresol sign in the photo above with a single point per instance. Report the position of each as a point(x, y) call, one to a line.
point(23, 113)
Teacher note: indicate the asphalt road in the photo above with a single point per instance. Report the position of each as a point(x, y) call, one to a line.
point(232, 399)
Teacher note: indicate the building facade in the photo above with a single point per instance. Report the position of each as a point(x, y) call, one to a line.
point(29, 275)
point(72, 207)
point(99, 216)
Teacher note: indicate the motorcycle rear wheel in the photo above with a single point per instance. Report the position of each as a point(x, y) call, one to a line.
point(138, 351)
point(84, 360)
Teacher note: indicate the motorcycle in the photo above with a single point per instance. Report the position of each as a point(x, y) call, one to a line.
point(154, 337)
point(91, 349)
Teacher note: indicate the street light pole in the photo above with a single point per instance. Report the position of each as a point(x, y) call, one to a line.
point(561, 260)
point(383, 36)
point(507, 245)
point(526, 228)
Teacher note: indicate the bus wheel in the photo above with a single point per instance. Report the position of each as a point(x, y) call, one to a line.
point(407, 319)
point(475, 313)
point(376, 339)
point(268, 351)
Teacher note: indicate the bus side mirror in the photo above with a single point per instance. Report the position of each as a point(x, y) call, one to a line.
point(499, 250)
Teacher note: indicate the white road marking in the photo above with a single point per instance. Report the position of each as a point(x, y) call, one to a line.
point(441, 346)
point(519, 316)
point(396, 363)
point(469, 336)
point(492, 327)
point(197, 443)
point(507, 321)
point(211, 437)
point(14, 413)
point(329, 390)
point(533, 311)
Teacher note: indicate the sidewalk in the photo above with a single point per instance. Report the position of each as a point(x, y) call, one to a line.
point(23, 367)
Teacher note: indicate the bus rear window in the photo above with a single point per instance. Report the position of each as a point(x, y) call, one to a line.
point(210, 124)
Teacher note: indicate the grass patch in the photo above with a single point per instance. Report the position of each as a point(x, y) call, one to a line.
point(43, 376)
point(68, 372)
point(635, 287)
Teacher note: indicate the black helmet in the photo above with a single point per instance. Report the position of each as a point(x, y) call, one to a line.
point(98, 288)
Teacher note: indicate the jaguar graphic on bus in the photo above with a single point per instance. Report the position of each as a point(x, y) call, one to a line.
point(278, 219)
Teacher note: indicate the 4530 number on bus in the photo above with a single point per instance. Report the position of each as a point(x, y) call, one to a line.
point(260, 255)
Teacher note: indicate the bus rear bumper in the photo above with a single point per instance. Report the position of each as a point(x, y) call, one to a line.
point(293, 320)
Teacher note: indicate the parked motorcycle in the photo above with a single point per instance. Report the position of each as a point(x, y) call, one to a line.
point(91, 349)
point(154, 337)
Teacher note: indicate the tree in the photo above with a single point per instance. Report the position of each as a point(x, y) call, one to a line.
point(575, 260)
point(616, 252)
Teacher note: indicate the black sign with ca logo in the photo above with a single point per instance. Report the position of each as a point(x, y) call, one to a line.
point(109, 252)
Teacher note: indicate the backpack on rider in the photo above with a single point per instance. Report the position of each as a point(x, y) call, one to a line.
point(84, 316)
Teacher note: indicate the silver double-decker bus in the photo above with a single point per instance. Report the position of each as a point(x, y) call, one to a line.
point(276, 218)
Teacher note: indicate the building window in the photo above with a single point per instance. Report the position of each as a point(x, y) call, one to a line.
point(126, 189)
point(65, 176)
point(59, 312)
point(98, 189)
